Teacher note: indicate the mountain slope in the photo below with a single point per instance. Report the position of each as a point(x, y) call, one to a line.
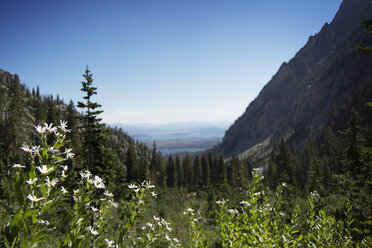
point(326, 73)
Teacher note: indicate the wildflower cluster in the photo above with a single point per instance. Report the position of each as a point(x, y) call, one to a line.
point(36, 186)
point(156, 234)
point(92, 203)
point(262, 223)
point(195, 230)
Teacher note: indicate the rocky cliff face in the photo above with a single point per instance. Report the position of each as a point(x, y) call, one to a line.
point(305, 92)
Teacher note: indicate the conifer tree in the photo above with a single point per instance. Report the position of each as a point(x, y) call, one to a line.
point(197, 172)
point(354, 153)
point(171, 173)
point(92, 130)
point(154, 164)
point(283, 161)
point(221, 170)
point(143, 170)
point(188, 170)
point(132, 164)
point(180, 172)
point(206, 171)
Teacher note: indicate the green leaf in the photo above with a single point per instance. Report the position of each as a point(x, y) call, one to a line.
point(16, 223)
point(19, 192)
point(300, 238)
point(39, 237)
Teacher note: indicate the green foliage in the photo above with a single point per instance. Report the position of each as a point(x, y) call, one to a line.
point(367, 23)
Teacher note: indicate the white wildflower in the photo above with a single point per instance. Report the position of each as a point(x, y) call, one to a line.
point(284, 184)
point(76, 191)
point(98, 182)
point(63, 126)
point(68, 153)
point(233, 211)
point(63, 190)
point(156, 218)
point(110, 243)
point(45, 222)
point(40, 129)
point(44, 169)
point(52, 150)
point(132, 186)
point(49, 128)
point(30, 182)
point(51, 183)
point(167, 237)
point(26, 149)
point(94, 209)
point(113, 204)
point(153, 194)
point(34, 199)
point(223, 202)
point(35, 149)
point(92, 231)
point(18, 166)
point(63, 175)
point(107, 194)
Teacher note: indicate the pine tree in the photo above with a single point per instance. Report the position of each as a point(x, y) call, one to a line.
point(144, 170)
point(92, 130)
point(197, 172)
point(154, 164)
point(283, 161)
point(180, 172)
point(171, 173)
point(132, 164)
point(206, 181)
point(188, 170)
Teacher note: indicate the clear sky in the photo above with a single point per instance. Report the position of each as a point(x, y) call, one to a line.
point(157, 61)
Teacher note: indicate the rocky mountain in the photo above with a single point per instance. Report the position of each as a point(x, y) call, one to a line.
point(329, 73)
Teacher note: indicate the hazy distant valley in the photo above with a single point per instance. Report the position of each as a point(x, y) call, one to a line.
point(178, 137)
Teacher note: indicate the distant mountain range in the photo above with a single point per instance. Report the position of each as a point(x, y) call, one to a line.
point(324, 79)
point(177, 137)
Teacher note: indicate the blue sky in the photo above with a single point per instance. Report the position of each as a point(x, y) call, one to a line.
point(157, 61)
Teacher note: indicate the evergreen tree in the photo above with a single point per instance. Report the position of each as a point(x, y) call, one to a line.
point(283, 161)
point(197, 172)
point(92, 130)
point(353, 162)
point(188, 170)
point(72, 123)
point(221, 170)
point(132, 164)
point(206, 180)
point(171, 173)
point(154, 164)
point(180, 175)
point(143, 170)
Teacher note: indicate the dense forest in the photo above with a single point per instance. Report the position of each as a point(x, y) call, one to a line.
point(68, 180)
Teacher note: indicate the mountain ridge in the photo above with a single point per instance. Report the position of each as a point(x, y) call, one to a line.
point(305, 91)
